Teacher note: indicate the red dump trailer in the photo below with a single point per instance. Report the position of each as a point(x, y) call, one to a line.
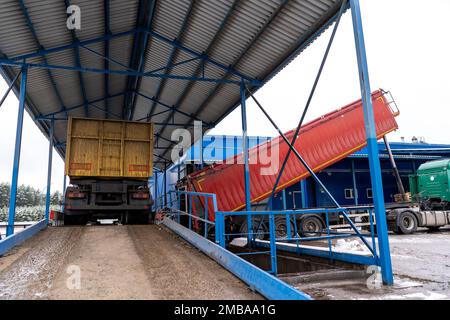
point(321, 143)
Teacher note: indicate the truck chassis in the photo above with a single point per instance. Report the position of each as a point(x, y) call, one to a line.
point(86, 200)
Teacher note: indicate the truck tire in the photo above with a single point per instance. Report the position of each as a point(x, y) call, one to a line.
point(144, 217)
point(210, 230)
point(310, 226)
point(281, 227)
point(69, 220)
point(406, 223)
point(137, 217)
point(259, 234)
point(75, 220)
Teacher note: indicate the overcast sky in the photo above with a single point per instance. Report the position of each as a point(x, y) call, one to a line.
point(408, 52)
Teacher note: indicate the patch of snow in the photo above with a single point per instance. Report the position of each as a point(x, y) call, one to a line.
point(430, 296)
point(416, 296)
point(350, 246)
point(416, 240)
point(239, 242)
point(317, 248)
point(405, 283)
point(402, 256)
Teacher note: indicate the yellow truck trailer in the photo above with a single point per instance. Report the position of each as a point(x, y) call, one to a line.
point(109, 163)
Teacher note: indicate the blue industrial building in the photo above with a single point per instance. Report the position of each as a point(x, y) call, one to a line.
point(348, 180)
point(216, 148)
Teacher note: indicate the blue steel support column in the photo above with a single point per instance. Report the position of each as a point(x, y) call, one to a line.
point(283, 194)
point(355, 189)
point(246, 165)
point(217, 227)
point(288, 216)
point(156, 191)
point(206, 218)
point(178, 207)
point(201, 150)
point(190, 200)
point(198, 136)
point(64, 192)
point(304, 190)
point(165, 185)
point(273, 245)
point(15, 175)
point(49, 171)
point(372, 146)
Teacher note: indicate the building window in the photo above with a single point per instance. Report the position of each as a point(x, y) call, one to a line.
point(369, 193)
point(349, 194)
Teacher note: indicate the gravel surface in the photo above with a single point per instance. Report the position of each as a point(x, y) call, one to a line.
point(27, 272)
point(151, 262)
point(114, 262)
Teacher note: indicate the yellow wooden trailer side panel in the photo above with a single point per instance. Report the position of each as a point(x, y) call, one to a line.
point(109, 149)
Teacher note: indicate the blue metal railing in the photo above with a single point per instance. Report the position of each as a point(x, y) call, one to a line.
point(174, 204)
point(195, 215)
point(275, 241)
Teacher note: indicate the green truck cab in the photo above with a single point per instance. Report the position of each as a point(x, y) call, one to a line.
point(430, 195)
point(430, 185)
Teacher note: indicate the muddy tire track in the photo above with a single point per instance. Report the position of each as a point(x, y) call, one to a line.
point(176, 270)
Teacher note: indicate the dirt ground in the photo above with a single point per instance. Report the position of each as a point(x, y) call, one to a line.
point(151, 262)
point(114, 262)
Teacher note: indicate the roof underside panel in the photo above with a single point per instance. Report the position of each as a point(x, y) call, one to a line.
point(211, 39)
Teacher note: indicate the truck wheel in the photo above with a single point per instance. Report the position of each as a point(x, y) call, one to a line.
point(144, 217)
point(310, 226)
point(259, 233)
point(137, 217)
point(281, 227)
point(210, 230)
point(69, 220)
point(406, 223)
point(75, 220)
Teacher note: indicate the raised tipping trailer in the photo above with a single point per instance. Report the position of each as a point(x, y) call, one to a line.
point(321, 143)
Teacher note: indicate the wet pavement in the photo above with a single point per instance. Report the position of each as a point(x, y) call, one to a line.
point(421, 266)
point(422, 255)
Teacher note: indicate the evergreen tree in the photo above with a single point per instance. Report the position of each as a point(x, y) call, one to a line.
point(27, 196)
point(56, 198)
point(5, 190)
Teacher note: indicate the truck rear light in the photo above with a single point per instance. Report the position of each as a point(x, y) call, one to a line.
point(140, 195)
point(76, 195)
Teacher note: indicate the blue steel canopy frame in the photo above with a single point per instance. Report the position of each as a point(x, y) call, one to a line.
point(17, 147)
point(141, 40)
point(49, 171)
point(135, 71)
point(145, 28)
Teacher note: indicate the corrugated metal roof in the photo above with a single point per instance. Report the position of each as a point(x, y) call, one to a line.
point(254, 38)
